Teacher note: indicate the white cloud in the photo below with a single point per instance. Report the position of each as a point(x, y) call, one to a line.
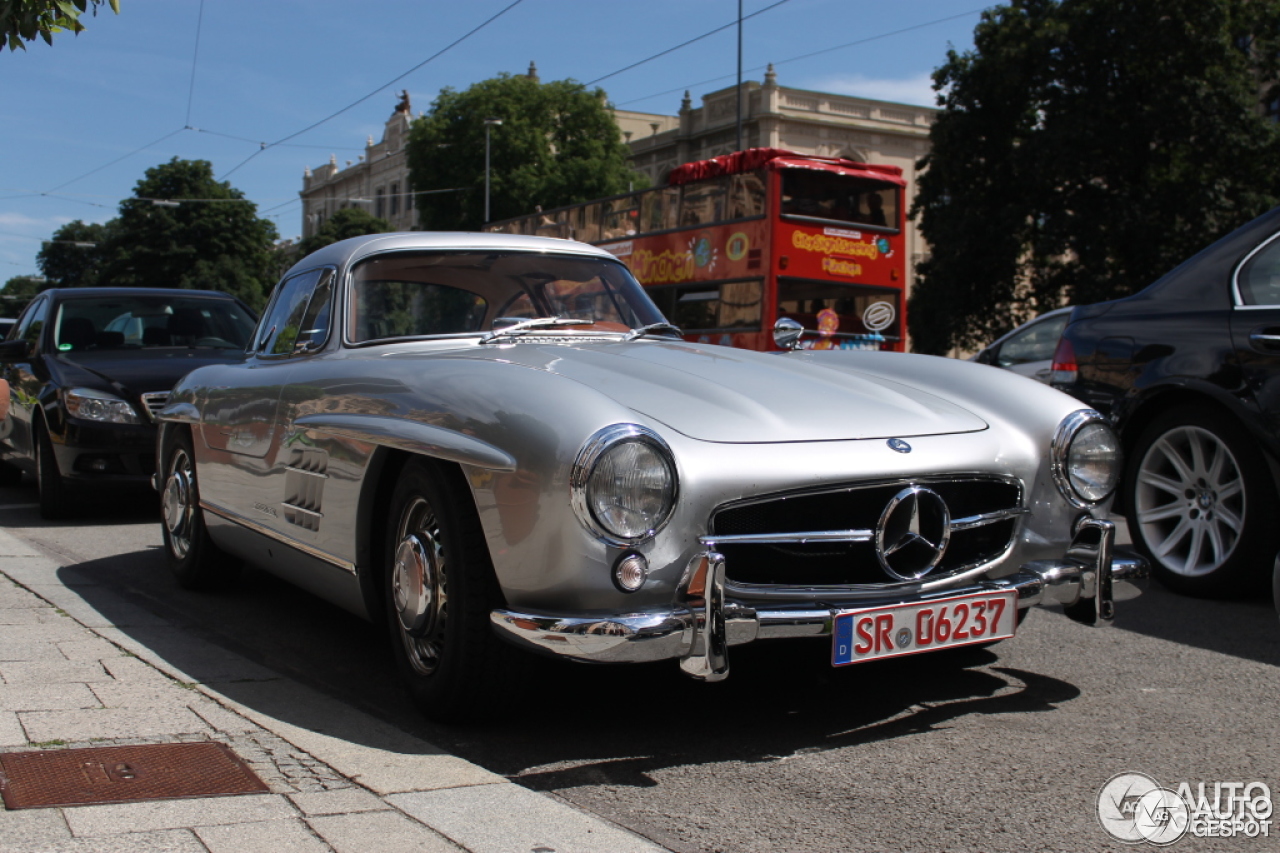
point(916, 90)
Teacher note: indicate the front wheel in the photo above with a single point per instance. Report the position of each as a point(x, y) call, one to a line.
point(55, 501)
point(194, 559)
point(1201, 504)
point(439, 588)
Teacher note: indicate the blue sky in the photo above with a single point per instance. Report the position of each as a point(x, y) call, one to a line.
point(215, 80)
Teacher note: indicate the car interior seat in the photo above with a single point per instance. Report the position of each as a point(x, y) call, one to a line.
point(79, 332)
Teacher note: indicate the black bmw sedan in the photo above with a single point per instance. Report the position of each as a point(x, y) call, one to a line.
point(86, 369)
point(1188, 370)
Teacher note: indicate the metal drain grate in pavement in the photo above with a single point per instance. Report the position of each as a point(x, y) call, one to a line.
point(121, 774)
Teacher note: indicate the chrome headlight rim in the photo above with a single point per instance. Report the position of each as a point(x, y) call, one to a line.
point(78, 400)
point(1063, 439)
point(595, 448)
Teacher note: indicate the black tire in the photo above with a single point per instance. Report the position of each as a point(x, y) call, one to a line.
point(194, 559)
point(455, 668)
point(54, 496)
point(10, 475)
point(1275, 586)
point(1201, 504)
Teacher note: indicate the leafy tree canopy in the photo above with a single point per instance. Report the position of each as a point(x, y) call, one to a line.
point(558, 144)
point(25, 20)
point(348, 222)
point(74, 256)
point(18, 291)
point(203, 235)
point(1084, 148)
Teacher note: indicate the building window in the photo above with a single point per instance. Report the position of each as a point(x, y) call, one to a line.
point(380, 205)
point(395, 199)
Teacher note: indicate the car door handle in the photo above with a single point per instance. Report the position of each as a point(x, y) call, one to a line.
point(1267, 339)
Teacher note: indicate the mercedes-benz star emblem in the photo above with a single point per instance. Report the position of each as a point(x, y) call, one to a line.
point(899, 445)
point(912, 533)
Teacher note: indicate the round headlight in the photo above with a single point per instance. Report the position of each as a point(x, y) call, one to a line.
point(1086, 458)
point(624, 483)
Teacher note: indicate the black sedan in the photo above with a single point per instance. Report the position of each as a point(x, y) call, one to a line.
point(1188, 370)
point(88, 367)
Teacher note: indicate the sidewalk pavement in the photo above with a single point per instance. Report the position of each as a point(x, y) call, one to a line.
point(339, 780)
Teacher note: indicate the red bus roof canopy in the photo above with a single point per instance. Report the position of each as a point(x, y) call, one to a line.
point(779, 158)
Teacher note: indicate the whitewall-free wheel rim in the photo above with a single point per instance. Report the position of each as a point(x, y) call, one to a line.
point(1189, 501)
point(419, 588)
point(179, 504)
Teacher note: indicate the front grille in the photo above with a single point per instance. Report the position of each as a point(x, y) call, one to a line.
point(154, 401)
point(983, 522)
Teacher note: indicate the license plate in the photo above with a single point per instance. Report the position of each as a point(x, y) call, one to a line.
point(908, 629)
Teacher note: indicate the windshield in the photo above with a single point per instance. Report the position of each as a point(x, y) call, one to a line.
point(167, 319)
point(422, 294)
point(820, 194)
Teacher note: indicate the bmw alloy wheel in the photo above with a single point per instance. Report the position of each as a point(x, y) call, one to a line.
point(1189, 500)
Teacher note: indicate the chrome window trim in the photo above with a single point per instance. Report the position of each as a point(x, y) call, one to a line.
point(1237, 297)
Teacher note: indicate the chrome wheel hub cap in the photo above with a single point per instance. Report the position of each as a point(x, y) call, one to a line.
point(178, 509)
point(414, 584)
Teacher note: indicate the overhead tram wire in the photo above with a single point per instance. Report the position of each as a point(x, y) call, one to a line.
point(113, 162)
point(436, 55)
point(920, 26)
point(195, 56)
point(735, 22)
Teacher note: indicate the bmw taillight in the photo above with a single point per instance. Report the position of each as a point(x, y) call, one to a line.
point(1064, 370)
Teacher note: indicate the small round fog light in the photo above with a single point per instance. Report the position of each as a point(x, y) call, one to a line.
point(630, 572)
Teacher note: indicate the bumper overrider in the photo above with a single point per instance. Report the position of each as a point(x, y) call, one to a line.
point(704, 622)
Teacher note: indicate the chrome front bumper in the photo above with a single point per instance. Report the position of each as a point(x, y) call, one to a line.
point(705, 623)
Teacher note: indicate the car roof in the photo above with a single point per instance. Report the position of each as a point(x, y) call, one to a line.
point(348, 251)
point(65, 293)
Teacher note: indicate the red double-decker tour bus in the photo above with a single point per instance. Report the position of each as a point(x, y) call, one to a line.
point(733, 244)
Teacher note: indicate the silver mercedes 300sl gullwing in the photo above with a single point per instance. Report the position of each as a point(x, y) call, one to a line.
point(495, 442)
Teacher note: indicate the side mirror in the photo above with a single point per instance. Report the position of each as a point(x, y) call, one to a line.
point(18, 350)
point(787, 332)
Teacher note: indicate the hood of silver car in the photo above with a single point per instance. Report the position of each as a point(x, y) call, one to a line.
point(731, 395)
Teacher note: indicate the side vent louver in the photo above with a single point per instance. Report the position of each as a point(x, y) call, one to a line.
point(305, 475)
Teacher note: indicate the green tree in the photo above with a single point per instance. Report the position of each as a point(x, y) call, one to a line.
point(25, 20)
point(1084, 148)
point(557, 144)
point(18, 291)
point(348, 222)
point(203, 234)
point(73, 257)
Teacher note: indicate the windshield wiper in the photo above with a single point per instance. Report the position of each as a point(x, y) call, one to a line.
point(652, 328)
point(526, 326)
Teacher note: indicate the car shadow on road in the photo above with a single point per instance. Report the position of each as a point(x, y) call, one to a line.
point(1244, 628)
point(568, 723)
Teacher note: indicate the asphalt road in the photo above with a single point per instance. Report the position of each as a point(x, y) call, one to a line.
point(1002, 749)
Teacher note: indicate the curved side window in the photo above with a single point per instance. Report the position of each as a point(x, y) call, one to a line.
point(31, 323)
point(1259, 278)
point(298, 318)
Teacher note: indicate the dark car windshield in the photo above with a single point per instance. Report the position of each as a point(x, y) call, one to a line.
point(167, 319)
point(450, 293)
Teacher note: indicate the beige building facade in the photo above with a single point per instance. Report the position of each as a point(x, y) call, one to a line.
point(773, 116)
point(378, 182)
